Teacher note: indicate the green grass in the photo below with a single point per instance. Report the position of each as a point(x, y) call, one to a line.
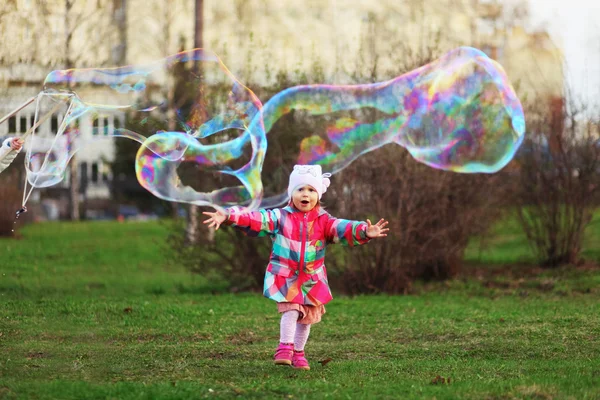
point(506, 243)
point(99, 310)
point(101, 257)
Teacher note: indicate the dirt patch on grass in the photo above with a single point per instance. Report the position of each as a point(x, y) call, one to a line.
point(524, 279)
point(534, 392)
point(245, 337)
point(522, 271)
point(163, 337)
point(36, 355)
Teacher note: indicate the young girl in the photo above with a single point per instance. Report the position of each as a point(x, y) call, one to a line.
point(296, 277)
point(8, 151)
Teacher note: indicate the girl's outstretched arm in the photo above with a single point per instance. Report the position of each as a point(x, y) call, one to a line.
point(353, 233)
point(255, 223)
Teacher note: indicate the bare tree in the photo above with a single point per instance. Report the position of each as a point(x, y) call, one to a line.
point(15, 26)
point(87, 22)
point(557, 189)
point(192, 221)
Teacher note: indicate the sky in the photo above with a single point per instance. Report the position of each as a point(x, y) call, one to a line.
point(575, 27)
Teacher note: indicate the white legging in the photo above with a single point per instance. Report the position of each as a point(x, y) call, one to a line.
point(293, 332)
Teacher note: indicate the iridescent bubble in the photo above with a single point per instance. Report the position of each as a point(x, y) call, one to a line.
point(157, 171)
point(458, 113)
point(189, 97)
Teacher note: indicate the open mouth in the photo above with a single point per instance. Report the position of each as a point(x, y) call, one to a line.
point(305, 202)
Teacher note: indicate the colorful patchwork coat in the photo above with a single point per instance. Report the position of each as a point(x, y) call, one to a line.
point(296, 272)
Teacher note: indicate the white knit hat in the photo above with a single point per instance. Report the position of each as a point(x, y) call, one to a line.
point(309, 175)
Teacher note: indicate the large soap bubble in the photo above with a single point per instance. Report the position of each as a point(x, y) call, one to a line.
point(458, 113)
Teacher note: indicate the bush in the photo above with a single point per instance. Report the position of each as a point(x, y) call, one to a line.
point(432, 215)
point(557, 189)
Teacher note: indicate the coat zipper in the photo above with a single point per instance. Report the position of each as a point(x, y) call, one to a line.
point(303, 229)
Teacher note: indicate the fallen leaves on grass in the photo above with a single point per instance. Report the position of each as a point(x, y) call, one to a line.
point(38, 354)
point(325, 362)
point(440, 380)
point(244, 337)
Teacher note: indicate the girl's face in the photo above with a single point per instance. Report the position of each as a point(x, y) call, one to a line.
point(305, 198)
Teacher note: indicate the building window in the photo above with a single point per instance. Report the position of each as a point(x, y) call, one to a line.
point(106, 126)
point(12, 124)
point(116, 123)
point(95, 172)
point(83, 172)
point(95, 127)
point(31, 120)
point(54, 124)
point(105, 171)
point(23, 124)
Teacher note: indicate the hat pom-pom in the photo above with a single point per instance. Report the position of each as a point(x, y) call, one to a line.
point(326, 183)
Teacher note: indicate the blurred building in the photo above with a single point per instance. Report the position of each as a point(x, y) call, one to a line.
point(340, 41)
point(44, 35)
point(348, 39)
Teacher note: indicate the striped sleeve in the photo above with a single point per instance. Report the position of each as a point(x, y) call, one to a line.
point(255, 223)
point(346, 232)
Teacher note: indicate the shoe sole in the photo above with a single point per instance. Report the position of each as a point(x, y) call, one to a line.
point(283, 362)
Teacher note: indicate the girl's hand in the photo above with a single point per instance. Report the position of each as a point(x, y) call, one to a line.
point(216, 218)
point(377, 230)
point(16, 144)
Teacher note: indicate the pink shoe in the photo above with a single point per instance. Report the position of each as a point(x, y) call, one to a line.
point(283, 355)
point(299, 361)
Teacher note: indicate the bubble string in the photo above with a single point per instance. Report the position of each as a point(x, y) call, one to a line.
point(160, 154)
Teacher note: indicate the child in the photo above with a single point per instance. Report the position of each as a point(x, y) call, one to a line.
point(9, 150)
point(296, 277)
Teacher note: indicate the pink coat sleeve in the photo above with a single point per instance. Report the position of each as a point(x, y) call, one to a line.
point(255, 223)
point(346, 232)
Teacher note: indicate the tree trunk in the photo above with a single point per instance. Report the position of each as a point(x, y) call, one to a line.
point(191, 230)
point(73, 190)
point(192, 223)
point(74, 175)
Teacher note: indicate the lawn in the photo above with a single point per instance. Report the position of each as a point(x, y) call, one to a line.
point(506, 244)
point(100, 310)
